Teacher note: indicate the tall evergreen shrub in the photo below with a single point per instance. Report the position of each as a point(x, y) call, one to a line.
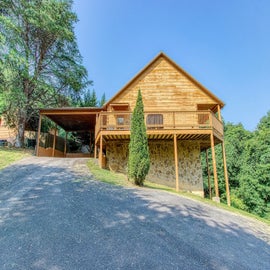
point(139, 160)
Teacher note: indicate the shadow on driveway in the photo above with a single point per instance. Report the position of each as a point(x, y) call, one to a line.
point(54, 217)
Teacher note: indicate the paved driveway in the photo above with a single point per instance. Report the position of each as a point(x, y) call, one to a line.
point(53, 216)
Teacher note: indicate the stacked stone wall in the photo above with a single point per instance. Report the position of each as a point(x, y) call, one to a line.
point(162, 164)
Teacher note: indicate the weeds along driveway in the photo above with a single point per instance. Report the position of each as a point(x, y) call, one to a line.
point(53, 215)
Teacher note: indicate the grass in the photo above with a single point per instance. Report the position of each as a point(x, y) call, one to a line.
point(121, 180)
point(206, 200)
point(10, 155)
point(107, 176)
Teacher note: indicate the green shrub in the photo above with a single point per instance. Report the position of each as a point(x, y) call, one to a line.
point(139, 160)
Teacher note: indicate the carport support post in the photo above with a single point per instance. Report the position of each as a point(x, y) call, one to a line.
point(65, 149)
point(226, 175)
point(216, 198)
point(38, 135)
point(100, 152)
point(176, 163)
point(90, 138)
point(54, 141)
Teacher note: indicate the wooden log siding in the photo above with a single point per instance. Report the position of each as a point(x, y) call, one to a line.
point(176, 120)
point(217, 124)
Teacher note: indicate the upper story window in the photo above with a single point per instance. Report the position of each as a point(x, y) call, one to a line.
point(154, 120)
point(120, 120)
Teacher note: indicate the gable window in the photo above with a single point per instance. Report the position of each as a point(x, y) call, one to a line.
point(154, 121)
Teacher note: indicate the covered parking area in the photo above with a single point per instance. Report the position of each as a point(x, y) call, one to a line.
point(76, 123)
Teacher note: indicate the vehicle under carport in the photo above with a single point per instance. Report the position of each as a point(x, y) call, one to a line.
point(78, 123)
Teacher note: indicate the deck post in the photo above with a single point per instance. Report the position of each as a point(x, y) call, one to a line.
point(176, 163)
point(219, 113)
point(216, 198)
point(54, 141)
point(65, 149)
point(208, 174)
point(226, 175)
point(38, 135)
point(95, 151)
point(100, 151)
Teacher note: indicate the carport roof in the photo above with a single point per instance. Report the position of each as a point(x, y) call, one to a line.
point(73, 119)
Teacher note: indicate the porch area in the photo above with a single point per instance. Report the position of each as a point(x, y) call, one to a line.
point(186, 125)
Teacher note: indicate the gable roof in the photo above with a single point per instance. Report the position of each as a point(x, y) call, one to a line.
point(181, 70)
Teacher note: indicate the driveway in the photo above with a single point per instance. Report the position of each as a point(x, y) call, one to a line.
point(53, 215)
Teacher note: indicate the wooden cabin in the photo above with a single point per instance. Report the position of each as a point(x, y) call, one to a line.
point(182, 118)
point(6, 134)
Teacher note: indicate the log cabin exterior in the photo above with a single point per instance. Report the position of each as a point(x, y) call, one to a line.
point(182, 118)
point(6, 133)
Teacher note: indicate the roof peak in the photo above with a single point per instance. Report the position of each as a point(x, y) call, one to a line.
point(180, 69)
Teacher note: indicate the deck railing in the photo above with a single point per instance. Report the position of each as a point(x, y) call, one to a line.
point(156, 120)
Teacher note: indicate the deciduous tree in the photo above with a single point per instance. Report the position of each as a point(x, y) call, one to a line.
point(40, 64)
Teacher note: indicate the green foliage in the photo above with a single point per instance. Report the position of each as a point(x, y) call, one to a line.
point(255, 178)
point(102, 100)
point(89, 99)
point(248, 164)
point(237, 202)
point(139, 160)
point(40, 63)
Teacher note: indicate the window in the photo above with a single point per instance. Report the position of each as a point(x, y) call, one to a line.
point(120, 120)
point(154, 121)
point(123, 121)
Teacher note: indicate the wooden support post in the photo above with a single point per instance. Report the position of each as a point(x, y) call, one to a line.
point(100, 151)
point(219, 113)
point(208, 174)
point(65, 149)
point(226, 175)
point(54, 141)
point(95, 151)
point(176, 163)
point(38, 135)
point(216, 198)
point(90, 142)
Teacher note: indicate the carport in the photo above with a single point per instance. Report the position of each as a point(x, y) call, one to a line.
point(80, 120)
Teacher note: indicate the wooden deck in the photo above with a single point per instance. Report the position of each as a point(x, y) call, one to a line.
point(186, 125)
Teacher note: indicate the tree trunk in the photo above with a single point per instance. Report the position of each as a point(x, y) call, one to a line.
point(20, 132)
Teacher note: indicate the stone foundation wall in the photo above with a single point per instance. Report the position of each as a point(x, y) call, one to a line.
point(190, 170)
point(162, 166)
point(117, 156)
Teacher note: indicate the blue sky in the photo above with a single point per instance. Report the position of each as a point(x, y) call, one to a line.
point(224, 44)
